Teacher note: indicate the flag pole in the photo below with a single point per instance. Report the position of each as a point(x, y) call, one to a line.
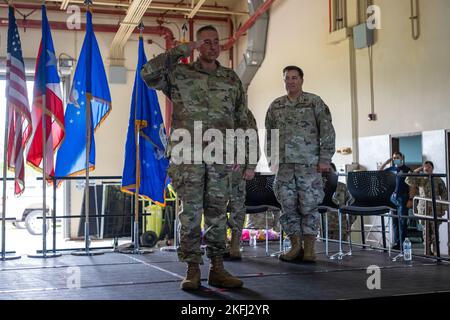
point(5, 165)
point(137, 130)
point(87, 251)
point(44, 253)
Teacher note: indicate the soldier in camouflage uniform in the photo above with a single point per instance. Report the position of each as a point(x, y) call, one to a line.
point(425, 207)
point(306, 145)
point(205, 92)
point(237, 202)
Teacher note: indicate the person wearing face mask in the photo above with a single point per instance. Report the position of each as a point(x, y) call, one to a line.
point(400, 197)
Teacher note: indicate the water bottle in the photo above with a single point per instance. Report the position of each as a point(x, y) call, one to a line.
point(252, 241)
point(255, 242)
point(407, 250)
point(286, 244)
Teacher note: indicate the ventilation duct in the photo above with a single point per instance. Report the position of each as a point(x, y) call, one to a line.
point(256, 46)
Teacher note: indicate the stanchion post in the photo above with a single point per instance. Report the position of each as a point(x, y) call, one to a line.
point(4, 255)
point(87, 251)
point(44, 254)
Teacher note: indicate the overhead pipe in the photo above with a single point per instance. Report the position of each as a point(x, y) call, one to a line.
point(195, 9)
point(118, 11)
point(415, 19)
point(230, 51)
point(248, 24)
point(191, 37)
point(330, 19)
point(107, 28)
point(165, 7)
point(256, 46)
point(134, 15)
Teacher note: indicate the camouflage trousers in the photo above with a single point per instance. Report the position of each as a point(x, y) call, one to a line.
point(237, 210)
point(333, 225)
point(299, 190)
point(258, 220)
point(202, 189)
point(430, 237)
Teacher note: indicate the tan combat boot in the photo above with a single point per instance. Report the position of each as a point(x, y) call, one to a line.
point(235, 246)
point(219, 277)
point(192, 280)
point(295, 251)
point(310, 255)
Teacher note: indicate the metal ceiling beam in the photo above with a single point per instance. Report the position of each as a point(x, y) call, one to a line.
point(64, 4)
point(160, 7)
point(134, 15)
point(196, 8)
point(117, 12)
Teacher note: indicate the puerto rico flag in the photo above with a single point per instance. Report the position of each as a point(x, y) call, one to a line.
point(46, 83)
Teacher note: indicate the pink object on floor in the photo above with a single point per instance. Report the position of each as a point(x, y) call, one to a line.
point(245, 235)
point(260, 235)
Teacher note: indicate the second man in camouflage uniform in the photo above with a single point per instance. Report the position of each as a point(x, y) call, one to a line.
point(306, 146)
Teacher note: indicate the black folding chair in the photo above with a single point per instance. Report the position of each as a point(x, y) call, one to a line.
point(260, 198)
point(372, 192)
point(330, 180)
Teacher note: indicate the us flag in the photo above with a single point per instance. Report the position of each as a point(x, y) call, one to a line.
point(18, 110)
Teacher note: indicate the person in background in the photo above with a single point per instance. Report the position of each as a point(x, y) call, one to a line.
point(236, 205)
point(422, 186)
point(341, 198)
point(400, 197)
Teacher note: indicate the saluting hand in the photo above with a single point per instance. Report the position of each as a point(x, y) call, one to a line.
point(418, 170)
point(195, 44)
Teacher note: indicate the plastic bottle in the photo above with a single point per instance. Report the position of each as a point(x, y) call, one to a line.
point(253, 240)
point(407, 250)
point(286, 244)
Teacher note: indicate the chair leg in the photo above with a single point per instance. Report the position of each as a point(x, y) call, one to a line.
point(281, 238)
point(400, 236)
point(400, 233)
point(267, 236)
point(383, 232)
point(363, 233)
point(281, 243)
point(340, 254)
point(390, 236)
point(326, 234)
point(349, 230)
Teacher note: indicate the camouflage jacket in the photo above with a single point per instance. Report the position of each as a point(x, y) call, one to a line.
point(216, 98)
point(342, 197)
point(424, 187)
point(306, 132)
point(251, 143)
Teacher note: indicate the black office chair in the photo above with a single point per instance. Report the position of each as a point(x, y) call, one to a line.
point(260, 198)
point(330, 182)
point(371, 191)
